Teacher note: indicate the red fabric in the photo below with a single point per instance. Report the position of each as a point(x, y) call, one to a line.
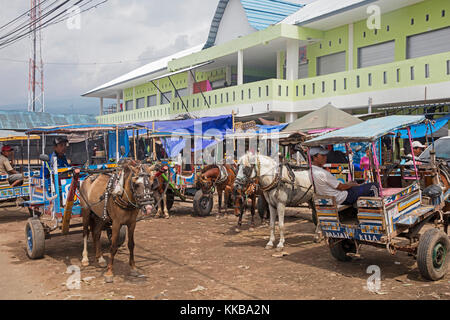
point(202, 86)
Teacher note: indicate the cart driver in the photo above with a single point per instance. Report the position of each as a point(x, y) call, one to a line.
point(59, 153)
point(327, 185)
point(14, 177)
point(418, 148)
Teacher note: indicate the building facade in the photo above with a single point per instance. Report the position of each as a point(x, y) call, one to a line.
point(279, 60)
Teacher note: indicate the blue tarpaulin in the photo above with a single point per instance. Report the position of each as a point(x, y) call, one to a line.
point(123, 141)
point(422, 130)
point(209, 127)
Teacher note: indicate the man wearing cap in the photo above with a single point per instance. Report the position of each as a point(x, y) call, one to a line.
point(418, 148)
point(59, 153)
point(326, 184)
point(14, 177)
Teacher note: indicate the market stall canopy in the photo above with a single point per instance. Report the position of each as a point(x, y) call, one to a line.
point(327, 117)
point(22, 121)
point(368, 131)
point(8, 135)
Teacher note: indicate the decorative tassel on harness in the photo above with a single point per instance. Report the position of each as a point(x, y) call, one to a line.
point(114, 188)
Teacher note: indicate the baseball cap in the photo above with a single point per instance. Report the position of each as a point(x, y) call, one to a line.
point(417, 144)
point(60, 140)
point(6, 148)
point(318, 150)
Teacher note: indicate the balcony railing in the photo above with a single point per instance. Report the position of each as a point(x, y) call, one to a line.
point(407, 73)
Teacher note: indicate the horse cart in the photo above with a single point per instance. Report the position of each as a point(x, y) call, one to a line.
point(407, 215)
point(54, 199)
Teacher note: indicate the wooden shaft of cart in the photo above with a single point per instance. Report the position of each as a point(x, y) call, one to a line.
point(69, 202)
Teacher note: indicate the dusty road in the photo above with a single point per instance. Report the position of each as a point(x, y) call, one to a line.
point(188, 257)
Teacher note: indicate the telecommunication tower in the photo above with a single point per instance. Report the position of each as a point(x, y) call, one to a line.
point(36, 102)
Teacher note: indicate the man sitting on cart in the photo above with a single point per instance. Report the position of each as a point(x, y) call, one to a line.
point(59, 155)
point(326, 184)
point(14, 177)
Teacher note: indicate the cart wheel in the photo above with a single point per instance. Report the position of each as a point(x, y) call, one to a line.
point(202, 204)
point(122, 235)
point(170, 197)
point(313, 212)
point(340, 247)
point(432, 254)
point(35, 235)
point(262, 207)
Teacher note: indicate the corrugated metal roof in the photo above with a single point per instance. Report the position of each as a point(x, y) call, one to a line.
point(260, 14)
point(263, 13)
point(21, 121)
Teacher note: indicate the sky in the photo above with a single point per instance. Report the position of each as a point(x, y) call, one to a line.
point(135, 32)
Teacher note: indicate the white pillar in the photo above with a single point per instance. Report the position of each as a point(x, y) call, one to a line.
point(291, 117)
point(240, 71)
point(292, 57)
point(228, 75)
point(279, 65)
point(350, 46)
point(118, 101)
point(101, 106)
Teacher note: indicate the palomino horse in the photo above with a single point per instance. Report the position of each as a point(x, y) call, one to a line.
point(281, 187)
point(220, 177)
point(126, 195)
point(245, 190)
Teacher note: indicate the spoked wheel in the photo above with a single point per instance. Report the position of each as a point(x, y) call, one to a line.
point(203, 204)
point(340, 247)
point(35, 236)
point(432, 254)
point(122, 235)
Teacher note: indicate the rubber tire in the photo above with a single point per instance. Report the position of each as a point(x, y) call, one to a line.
point(262, 207)
point(200, 210)
point(35, 229)
point(170, 196)
point(122, 235)
point(340, 247)
point(427, 243)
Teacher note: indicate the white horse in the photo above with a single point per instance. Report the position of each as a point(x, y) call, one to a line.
point(282, 188)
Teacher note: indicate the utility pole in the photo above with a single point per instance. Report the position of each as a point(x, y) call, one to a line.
point(36, 101)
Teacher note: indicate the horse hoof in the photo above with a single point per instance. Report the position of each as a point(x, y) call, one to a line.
point(237, 230)
point(109, 279)
point(269, 247)
point(166, 217)
point(85, 263)
point(280, 249)
point(251, 229)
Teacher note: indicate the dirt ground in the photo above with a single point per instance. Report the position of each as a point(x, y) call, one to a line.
point(196, 258)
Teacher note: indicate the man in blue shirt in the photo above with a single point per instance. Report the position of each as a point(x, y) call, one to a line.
point(59, 155)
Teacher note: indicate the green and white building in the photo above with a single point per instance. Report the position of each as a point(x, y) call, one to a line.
point(280, 60)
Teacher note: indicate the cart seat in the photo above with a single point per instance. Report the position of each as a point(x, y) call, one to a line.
point(342, 207)
point(391, 191)
point(415, 216)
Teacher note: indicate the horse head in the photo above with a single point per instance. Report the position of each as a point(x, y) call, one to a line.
point(142, 177)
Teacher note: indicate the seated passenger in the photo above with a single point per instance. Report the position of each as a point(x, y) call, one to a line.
point(14, 178)
point(59, 155)
point(418, 148)
point(327, 185)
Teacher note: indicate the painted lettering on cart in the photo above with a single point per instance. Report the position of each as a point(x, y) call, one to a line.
point(368, 237)
point(342, 235)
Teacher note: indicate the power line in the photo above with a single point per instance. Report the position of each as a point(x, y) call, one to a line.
point(80, 63)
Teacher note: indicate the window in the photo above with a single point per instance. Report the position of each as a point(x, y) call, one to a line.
point(166, 97)
point(370, 79)
point(129, 105)
point(427, 70)
point(385, 77)
point(428, 43)
point(152, 101)
point(412, 73)
point(358, 81)
point(140, 103)
point(376, 54)
point(398, 75)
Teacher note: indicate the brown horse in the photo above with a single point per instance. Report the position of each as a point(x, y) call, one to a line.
point(220, 177)
point(242, 192)
point(124, 202)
